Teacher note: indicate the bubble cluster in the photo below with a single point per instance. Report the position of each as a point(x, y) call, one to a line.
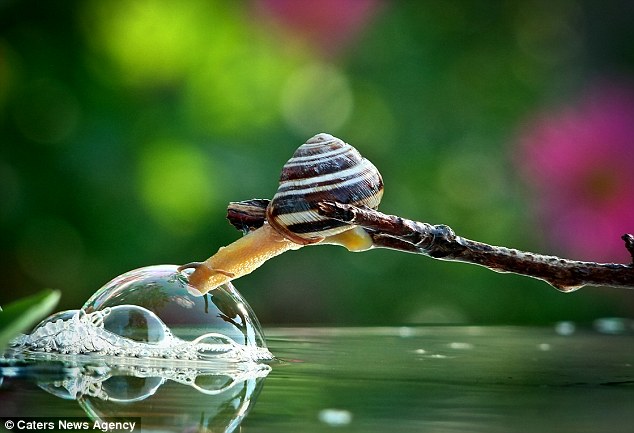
point(153, 312)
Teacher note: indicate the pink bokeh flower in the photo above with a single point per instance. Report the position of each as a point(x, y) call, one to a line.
point(579, 161)
point(329, 25)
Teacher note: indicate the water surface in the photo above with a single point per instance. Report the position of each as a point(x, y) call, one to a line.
point(401, 379)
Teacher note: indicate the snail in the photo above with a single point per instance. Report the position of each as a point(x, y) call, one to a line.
point(323, 169)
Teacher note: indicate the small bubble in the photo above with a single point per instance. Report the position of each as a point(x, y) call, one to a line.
point(135, 323)
point(335, 417)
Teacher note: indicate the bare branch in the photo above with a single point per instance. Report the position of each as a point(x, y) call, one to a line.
point(247, 215)
point(440, 242)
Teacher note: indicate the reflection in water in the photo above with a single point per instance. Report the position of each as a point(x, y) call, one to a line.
point(220, 392)
point(370, 380)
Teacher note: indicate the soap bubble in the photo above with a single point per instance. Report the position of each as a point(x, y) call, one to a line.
point(135, 323)
point(153, 312)
point(166, 292)
point(54, 320)
point(49, 335)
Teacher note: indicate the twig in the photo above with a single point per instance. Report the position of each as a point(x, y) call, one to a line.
point(629, 244)
point(440, 242)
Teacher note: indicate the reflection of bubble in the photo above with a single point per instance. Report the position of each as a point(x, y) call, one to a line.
point(126, 389)
point(223, 397)
point(150, 313)
point(172, 397)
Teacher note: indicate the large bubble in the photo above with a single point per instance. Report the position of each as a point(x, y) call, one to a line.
point(154, 312)
point(166, 292)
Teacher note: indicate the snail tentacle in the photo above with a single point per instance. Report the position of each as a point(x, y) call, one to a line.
point(191, 265)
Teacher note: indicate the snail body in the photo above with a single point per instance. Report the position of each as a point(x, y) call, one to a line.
point(322, 169)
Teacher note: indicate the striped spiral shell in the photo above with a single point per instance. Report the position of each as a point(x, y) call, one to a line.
point(322, 169)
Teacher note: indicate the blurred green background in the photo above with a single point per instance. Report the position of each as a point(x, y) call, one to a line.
point(127, 126)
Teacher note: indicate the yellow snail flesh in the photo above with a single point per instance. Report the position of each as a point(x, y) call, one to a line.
point(322, 169)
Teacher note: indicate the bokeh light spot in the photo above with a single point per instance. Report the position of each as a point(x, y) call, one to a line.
point(328, 24)
point(549, 32)
point(148, 41)
point(317, 97)
point(236, 83)
point(471, 180)
point(372, 124)
point(229, 72)
point(176, 184)
point(578, 159)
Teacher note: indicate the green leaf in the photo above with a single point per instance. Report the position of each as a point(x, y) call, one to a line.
point(20, 315)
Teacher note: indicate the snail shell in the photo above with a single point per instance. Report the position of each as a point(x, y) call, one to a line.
point(322, 169)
